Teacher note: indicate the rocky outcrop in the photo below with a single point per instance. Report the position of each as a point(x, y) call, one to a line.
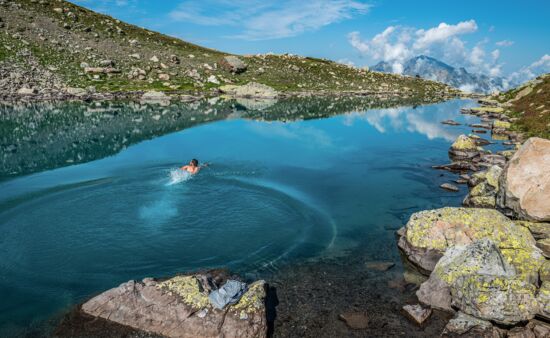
point(179, 307)
point(484, 188)
point(233, 64)
point(525, 182)
point(428, 234)
point(250, 90)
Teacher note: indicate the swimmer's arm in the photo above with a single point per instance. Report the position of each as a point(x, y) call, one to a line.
point(184, 167)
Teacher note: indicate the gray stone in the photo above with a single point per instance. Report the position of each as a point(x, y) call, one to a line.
point(233, 64)
point(416, 313)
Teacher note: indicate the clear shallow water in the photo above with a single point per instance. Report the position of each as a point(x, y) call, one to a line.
point(274, 192)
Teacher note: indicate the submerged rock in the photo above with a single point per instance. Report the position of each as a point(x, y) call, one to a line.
point(449, 187)
point(355, 320)
point(525, 182)
point(179, 307)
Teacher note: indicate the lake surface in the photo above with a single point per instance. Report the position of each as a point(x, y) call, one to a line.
point(275, 192)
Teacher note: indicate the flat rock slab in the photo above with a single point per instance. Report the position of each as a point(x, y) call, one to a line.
point(355, 320)
point(179, 308)
point(449, 187)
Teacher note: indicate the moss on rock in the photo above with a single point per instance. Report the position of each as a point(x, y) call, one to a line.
point(252, 300)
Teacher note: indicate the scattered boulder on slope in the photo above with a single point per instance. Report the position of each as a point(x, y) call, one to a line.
point(180, 307)
point(251, 89)
point(525, 182)
point(233, 64)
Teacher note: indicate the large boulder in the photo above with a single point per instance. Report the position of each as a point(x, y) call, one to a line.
point(179, 307)
point(477, 280)
point(484, 188)
point(525, 181)
point(429, 233)
point(479, 257)
point(251, 90)
point(233, 64)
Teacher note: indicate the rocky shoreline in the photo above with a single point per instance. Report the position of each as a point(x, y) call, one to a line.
point(476, 271)
point(488, 261)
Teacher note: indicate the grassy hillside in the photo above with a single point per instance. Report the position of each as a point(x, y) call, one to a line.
point(529, 106)
point(50, 44)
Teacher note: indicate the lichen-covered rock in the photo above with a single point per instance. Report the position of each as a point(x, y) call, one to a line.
point(429, 233)
point(525, 181)
point(544, 271)
point(544, 245)
point(179, 307)
point(484, 188)
point(543, 299)
point(539, 230)
point(463, 148)
point(500, 299)
point(251, 89)
point(500, 127)
point(480, 257)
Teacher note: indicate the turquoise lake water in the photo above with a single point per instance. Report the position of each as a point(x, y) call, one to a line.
point(275, 192)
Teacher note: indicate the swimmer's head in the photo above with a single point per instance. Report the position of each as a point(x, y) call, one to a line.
point(194, 162)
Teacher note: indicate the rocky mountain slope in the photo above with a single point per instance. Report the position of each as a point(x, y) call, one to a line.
point(56, 46)
point(528, 106)
point(432, 69)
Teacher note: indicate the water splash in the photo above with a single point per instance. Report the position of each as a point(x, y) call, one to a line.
point(178, 176)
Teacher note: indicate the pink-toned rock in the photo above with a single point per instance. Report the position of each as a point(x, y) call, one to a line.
point(525, 181)
point(179, 307)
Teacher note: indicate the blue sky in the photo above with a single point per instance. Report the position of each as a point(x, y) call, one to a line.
point(500, 38)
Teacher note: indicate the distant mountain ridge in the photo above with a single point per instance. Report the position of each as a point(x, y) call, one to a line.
point(432, 69)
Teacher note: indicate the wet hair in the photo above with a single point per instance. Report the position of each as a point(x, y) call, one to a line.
point(195, 162)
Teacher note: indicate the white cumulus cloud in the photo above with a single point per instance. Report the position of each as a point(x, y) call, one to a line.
point(504, 43)
point(527, 73)
point(396, 44)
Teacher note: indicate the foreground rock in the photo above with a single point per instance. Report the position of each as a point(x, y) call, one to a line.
point(355, 320)
point(464, 325)
point(525, 182)
point(428, 234)
point(251, 89)
point(179, 307)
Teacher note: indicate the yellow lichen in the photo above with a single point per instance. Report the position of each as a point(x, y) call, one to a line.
point(464, 142)
point(188, 288)
point(252, 300)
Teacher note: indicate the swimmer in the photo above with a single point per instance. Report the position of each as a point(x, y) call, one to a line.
point(193, 167)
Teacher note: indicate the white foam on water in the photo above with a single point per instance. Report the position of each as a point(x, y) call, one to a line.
point(178, 176)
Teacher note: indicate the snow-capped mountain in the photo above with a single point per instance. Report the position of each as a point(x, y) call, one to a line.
point(429, 68)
